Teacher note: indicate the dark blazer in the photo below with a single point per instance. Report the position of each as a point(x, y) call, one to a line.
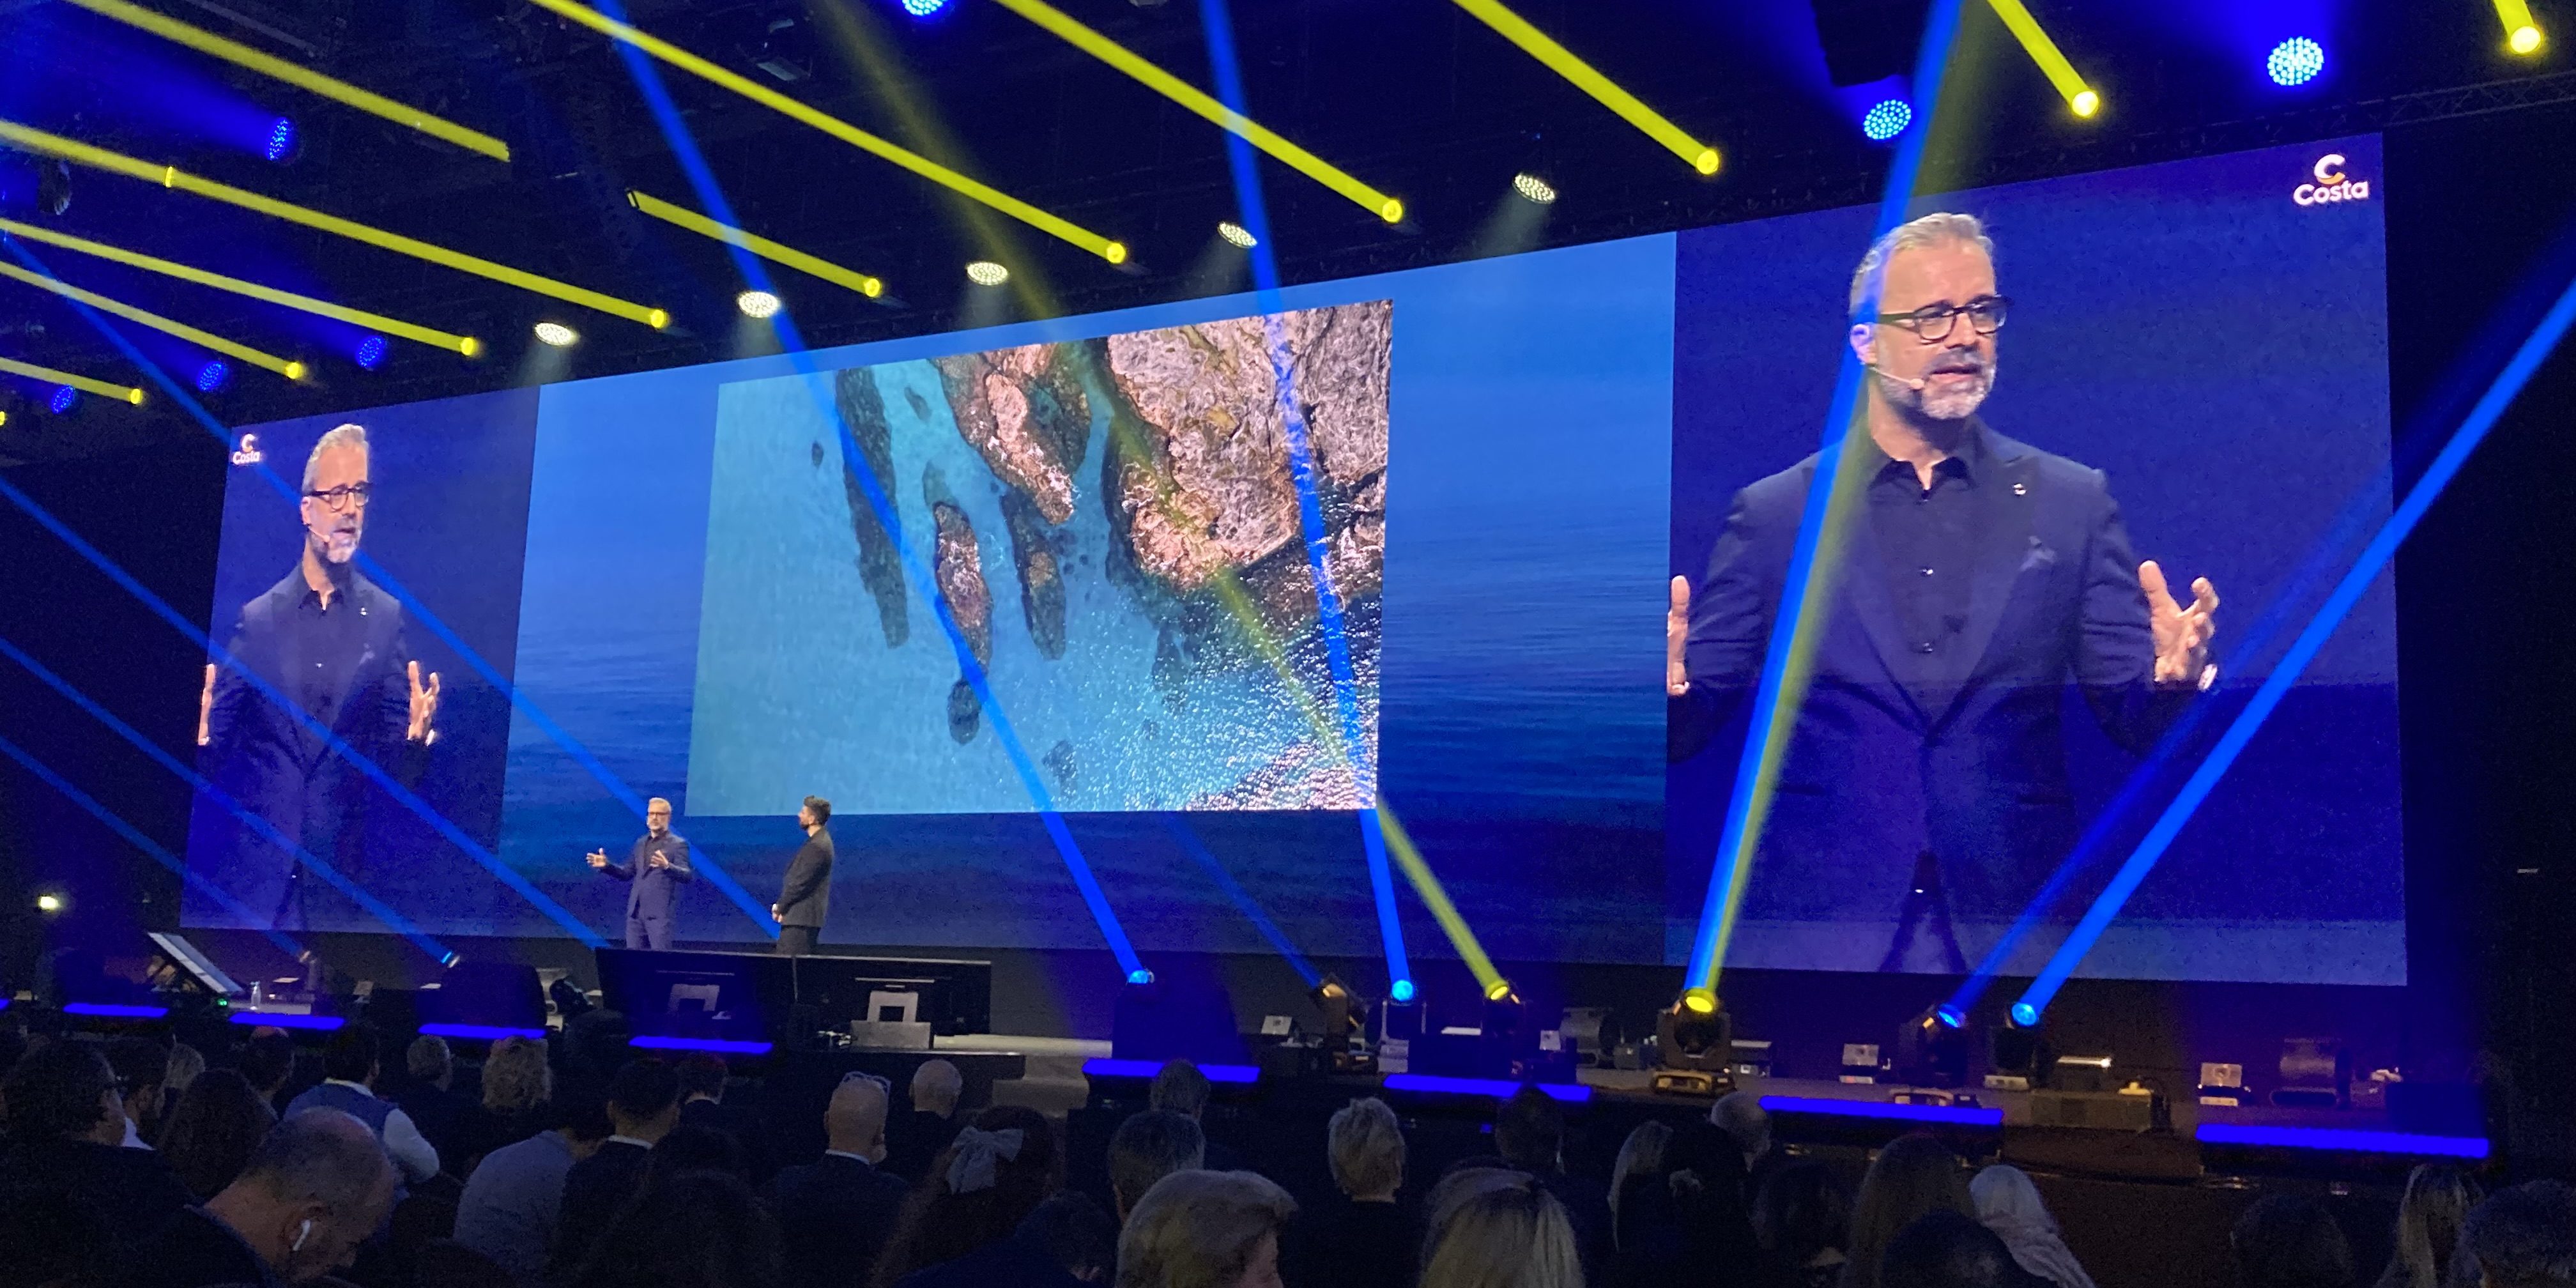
point(195, 1251)
point(1970, 768)
point(834, 1217)
point(594, 1190)
point(133, 1191)
point(805, 897)
point(1341, 1244)
point(275, 763)
point(652, 892)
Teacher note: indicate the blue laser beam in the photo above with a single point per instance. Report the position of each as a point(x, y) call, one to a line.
point(2374, 557)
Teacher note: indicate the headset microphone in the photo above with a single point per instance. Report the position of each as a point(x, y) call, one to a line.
point(1909, 382)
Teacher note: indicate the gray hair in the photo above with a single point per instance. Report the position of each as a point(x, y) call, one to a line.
point(428, 1058)
point(1200, 1229)
point(1150, 1146)
point(1367, 1147)
point(319, 1154)
point(185, 1063)
point(937, 1086)
point(1179, 1087)
point(1937, 229)
point(1642, 1154)
point(350, 435)
point(1741, 1116)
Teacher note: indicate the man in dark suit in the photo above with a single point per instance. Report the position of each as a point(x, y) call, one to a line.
point(318, 658)
point(834, 1216)
point(1976, 576)
point(643, 1107)
point(316, 1187)
point(805, 897)
point(654, 869)
point(65, 1130)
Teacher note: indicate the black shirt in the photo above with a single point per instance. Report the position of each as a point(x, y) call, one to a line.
point(132, 1191)
point(1927, 540)
point(334, 640)
point(1342, 1244)
point(194, 1251)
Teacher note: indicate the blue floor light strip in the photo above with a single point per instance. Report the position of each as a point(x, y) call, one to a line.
point(1885, 1110)
point(2366, 569)
point(1233, 1074)
point(2397, 1143)
point(115, 1011)
point(481, 1032)
point(1432, 1084)
point(720, 1046)
point(287, 1020)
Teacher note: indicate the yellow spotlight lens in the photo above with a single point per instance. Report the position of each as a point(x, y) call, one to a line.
point(1699, 1001)
point(134, 397)
point(2524, 40)
point(1392, 211)
point(1499, 990)
point(1706, 161)
point(557, 334)
point(657, 319)
point(1114, 252)
point(2087, 103)
point(984, 272)
point(295, 371)
point(469, 346)
point(872, 288)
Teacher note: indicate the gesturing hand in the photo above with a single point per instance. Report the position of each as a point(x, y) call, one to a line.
point(773, 913)
point(597, 858)
point(1676, 636)
point(2182, 634)
point(424, 704)
point(206, 707)
point(658, 861)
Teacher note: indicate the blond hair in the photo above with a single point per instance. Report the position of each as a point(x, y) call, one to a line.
point(1494, 1227)
point(1200, 1229)
point(1367, 1148)
point(516, 1076)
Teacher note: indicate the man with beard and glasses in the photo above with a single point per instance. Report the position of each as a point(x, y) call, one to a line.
point(1925, 789)
point(317, 659)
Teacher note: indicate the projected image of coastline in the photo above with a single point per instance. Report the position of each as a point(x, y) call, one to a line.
point(1119, 543)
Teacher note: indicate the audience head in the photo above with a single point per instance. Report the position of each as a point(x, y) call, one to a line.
point(2429, 1217)
point(937, 1087)
point(1076, 1235)
point(1366, 1145)
point(702, 1076)
point(1148, 1147)
point(690, 1230)
point(581, 1115)
point(1179, 1088)
point(1943, 1249)
point(266, 1060)
point(855, 1120)
point(316, 1187)
point(1640, 1161)
point(1741, 1116)
point(644, 1100)
point(1529, 1132)
point(978, 1190)
point(352, 1054)
point(1914, 1175)
point(139, 1065)
point(1198, 1229)
point(429, 1062)
point(693, 1149)
point(1802, 1213)
point(2288, 1241)
point(63, 1090)
point(1497, 1227)
point(186, 1062)
point(2524, 1237)
point(516, 1077)
point(213, 1131)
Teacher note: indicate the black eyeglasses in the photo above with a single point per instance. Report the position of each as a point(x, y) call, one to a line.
point(1985, 313)
point(342, 498)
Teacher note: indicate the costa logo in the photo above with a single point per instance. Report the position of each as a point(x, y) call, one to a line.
point(2332, 184)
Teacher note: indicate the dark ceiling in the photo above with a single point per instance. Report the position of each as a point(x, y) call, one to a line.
point(1414, 97)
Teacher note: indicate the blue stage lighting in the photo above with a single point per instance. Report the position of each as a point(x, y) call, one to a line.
point(213, 375)
point(1140, 975)
point(2295, 61)
point(281, 140)
point(2025, 1014)
point(371, 352)
point(1886, 119)
point(923, 8)
point(1950, 1017)
point(1403, 990)
point(64, 397)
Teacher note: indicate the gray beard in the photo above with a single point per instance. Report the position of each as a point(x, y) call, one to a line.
point(1932, 404)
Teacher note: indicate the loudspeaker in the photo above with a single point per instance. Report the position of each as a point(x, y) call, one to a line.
point(500, 994)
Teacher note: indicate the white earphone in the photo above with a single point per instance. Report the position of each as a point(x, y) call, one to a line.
point(302, 1232)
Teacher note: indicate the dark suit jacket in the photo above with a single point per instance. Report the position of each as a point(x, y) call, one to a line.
point(748, 1129)
point(1341, 1244)
point(195, 1251)
point(652, 892)
point(805, 898)
point(275, 762)
point(594, 1190)
point(915, 1137)
point(133, 1191)
point(833, 1218)
point(1971, 767)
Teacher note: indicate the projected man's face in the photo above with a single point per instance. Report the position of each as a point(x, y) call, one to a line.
point(1958, 369)
point(657, 817)
point(335, 506)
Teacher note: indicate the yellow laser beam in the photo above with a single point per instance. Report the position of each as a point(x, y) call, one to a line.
point(2521, 34)
point(1537, 44)
point(688, 62)
point(1436, 899)
point(1073, 33)
point(464, 344)
point(304, 78)
point(122, 393)
point(26, 139)
point(2080, 99)
point(286, 367)
point(756, 244)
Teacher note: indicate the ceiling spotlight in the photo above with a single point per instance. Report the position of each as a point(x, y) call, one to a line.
point(2295, 61)
point(2524, 40)
point(923, 8)
point(2085, 103)
point(1886, 119)
point(557, 334)
point(281, 140)
point(64, 397)
point(213, 375)
point(756, 304)
point(371, 353)
point(49, 903)
point(1532, 188)
point(1236, 233)
point(984, 272)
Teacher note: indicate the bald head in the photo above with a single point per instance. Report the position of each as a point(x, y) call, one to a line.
point(936, 1087)
point(317, 1186)
point(855, 1120)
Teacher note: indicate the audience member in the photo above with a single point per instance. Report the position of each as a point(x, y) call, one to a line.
point(1944, 1249)
point(643, 1107)
point(2288, 1241)
point(446, 1263)
point(835, 1215)
point(2524, 1237)
point(1148, 1147)
point(1802, 1221)
point(977, 1193)
point(349, 1069)
point(1711, 1211)
point(702, 1104)
point(2008, 1204)
point(1496, 1227)
point(1076, 1237)
point(917, 1135)
point(1529, 1133)
point(2436, 1203)
point(186, 1063)
point(1914, 1175)
point(66, 1123)
point(267, 1060)
point(428, 1097)
point(52, 1240)
point(1640, 1164)
point(1202, 1229)
point(1179, 1087)
point(317, 1186)
point(517, 1084)
point(1741, 1116)
point(1360, 1238)
point(212, 1132)
point(511, 1203)
point(692, 1230)
point(694, 1149)
point(140, 1064)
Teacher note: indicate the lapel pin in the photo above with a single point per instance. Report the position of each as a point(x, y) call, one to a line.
point(2019, 489)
